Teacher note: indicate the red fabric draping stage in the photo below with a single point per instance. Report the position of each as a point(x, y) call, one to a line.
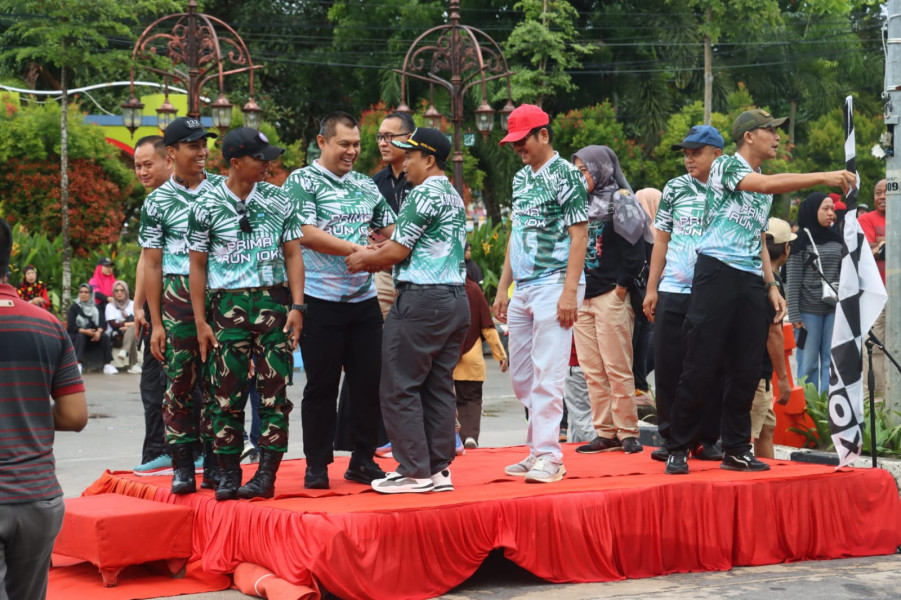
point(614, 516)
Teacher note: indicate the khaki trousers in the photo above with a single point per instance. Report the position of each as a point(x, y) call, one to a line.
point(603, 335)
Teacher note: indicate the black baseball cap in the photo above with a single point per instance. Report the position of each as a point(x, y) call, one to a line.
point(430, 141)
point(185, 129)
point(247, 141)
point(105, 262)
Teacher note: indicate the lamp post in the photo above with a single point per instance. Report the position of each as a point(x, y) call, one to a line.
point(198, 55)
point(456, 57)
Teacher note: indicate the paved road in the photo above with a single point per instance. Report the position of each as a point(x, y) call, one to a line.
point(113, 438)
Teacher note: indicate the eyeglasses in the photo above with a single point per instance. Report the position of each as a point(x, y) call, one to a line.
point(388, 137)
point(244, 223)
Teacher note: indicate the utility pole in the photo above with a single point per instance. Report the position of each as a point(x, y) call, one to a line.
point(892, 97)
point(708, 72)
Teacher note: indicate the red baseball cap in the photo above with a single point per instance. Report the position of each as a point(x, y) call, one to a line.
point(524, 119)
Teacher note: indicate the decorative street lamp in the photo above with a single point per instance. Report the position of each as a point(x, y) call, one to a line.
point(467, 57)
point(196, 52)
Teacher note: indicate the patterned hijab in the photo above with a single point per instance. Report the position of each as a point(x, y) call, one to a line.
point(123, 304)
point(28, 291)
point(89, 316)
point(612, 198)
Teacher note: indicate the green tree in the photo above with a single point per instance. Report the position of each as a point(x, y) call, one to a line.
point(73, 37)
point(542, 48)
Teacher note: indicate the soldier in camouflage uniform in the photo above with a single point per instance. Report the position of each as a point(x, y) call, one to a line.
point(163, 236)
point(427, 324)
point(244, 240)
point(545, 257)
point(338, 208)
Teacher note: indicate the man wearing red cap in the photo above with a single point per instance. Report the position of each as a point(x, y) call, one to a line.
point(545, 257)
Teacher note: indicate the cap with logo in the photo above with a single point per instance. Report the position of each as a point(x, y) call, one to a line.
point(247, 141)
point(524, 119)
point(754, 119)
point(781, 231)
point(185, 129)
point(430, 141)
point(699, 136)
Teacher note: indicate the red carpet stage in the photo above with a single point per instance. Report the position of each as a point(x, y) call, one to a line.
point(613, 517)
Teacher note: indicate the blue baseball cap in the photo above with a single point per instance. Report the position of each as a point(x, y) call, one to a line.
point(701, 135)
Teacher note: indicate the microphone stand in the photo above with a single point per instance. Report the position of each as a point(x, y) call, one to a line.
point(871, 341)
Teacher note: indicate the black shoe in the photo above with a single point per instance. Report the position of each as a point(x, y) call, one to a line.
point(262, 484)
point(600, 444)
point(631, 445)
point(660, 454)
point(229, 476)
point(743, 462)
point(677, 462)
point(183, 481)
point(363, 470)
point(707, 451)
point(316, 478)
point(210, 467)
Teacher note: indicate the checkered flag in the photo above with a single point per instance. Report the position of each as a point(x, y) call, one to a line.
point(861, 296)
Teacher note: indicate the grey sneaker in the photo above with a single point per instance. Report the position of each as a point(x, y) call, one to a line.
point(395, 483)
point(522, 467)
point(544, 471)
point(442, 481)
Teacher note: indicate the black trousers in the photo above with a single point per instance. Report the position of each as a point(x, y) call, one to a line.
point(84, 346)
point(153, 387)
point(469, 407)
point(669, 352)
point(726, 328)
point(340, 335)
point(423, 334)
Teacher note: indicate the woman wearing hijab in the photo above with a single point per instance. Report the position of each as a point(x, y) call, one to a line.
point(807, 310)
point(32, 290)
point(618, 229)
point(86, 327)
point(120, 321)
point(103, 282)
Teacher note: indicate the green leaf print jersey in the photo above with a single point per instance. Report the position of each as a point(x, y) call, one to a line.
point(734, 219)
point(680, 214)
point(432, 223)
point(164, 221)
point(244, 259)
point(545, 205)
point(347, 208)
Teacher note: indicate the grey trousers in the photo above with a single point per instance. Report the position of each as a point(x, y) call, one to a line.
point(575, 394)
point(27, 533)
point(420, 348)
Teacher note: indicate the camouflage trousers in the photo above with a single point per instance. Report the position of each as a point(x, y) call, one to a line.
point(183, 366)
point(248, 326)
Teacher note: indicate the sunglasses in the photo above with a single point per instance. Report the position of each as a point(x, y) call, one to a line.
point(244, 223)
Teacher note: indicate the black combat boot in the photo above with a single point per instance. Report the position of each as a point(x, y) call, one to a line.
point(229, 476)
point(262, 484)
point(183, 467)
point(210, 467)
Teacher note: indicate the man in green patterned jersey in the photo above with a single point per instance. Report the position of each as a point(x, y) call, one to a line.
point(668, 295)
point(427, 323)
point(726, 325)
point(163, 234)
point(338, 208)
point(244, 240)
point(545, 257)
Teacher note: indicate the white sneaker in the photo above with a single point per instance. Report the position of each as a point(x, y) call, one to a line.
point(522, 467)
point(109, 369)
point(442, 481)
point(123, 353)
point(470, 443)
point(544, 471)
point(135, 369)
point(80, 369)
point(395, 483)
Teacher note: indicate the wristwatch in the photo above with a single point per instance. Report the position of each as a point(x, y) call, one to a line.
point(301, 307)
point(770, 284)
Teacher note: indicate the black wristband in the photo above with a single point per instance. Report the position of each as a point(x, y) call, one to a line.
point(301, 307)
